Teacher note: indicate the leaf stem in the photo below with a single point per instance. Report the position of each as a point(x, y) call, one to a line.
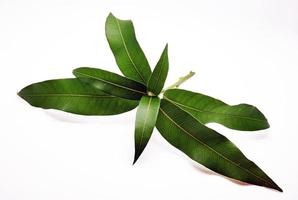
point(180, 81)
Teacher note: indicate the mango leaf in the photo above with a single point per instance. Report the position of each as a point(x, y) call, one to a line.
point(208, 147)
point(128, 54)
point(160, 72)
point(74, 96)
point(111, 83)
point(207, 109)
point(145, 121)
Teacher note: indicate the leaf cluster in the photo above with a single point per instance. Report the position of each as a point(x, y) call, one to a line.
point(179, 115)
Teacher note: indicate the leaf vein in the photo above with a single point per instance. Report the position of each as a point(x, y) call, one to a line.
point(159, 73)
point(127, 52)
point(117, 85)
point(67, 95)
point(210, 148)
point(212, 112)
point(145, 121)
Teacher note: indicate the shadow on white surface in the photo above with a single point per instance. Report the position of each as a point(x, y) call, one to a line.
point(252, 135)
point(82, 119)
point(204, 170)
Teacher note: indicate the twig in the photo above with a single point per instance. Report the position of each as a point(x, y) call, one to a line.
point(180, 81)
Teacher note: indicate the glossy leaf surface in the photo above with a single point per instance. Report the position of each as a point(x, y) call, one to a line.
point(74, 96)
point(111, 83)
point(126, 49)
point(145, 121)
point(207, 109)
point(159, 74)
point(208, 147)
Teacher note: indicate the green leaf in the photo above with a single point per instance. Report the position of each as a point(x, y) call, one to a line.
point(160, 72)
point(207, 109)
point(208, 147)
point(111, 83)
point(145, 121)
point(126, 49)
point(74, 96)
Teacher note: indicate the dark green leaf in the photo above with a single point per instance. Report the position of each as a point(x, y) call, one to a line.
point(126, 49)
point(111, 83)
point(207, 109)
point(160, 72)
point(74, 96)
point(145, 121)
point(208, 147)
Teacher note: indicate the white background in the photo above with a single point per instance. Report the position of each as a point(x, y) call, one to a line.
point(241, 51)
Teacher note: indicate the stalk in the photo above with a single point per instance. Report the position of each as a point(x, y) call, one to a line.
point(180, 81)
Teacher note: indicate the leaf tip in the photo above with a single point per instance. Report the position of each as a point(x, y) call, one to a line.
point(165, 51)
point(276, 187)
point(110, 15)
point(279, 189)
point(135, 159)
point(75, 71)
point(267, 125)
point(20, 93)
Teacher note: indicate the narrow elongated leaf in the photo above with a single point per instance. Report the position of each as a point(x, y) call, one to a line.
point(145, 121)
point(126, 49)
point(159, 74)
point(111, 83)
point(207, 109)
point(208, 147)
point(74, 96)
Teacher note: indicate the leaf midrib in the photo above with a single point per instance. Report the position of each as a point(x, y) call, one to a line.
point(127, 52)
point(212, 112)
point(145, 122)
point(67, 95)
point(159, 73)
point(117, 85)
point(210, 148)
